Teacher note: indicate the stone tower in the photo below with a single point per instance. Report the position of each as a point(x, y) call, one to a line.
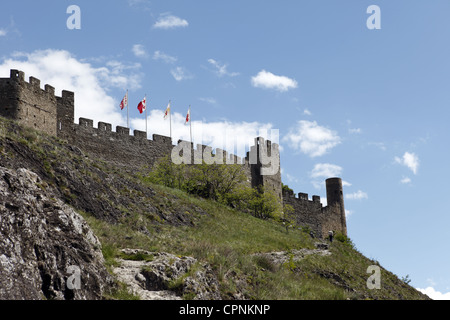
point(335, 200)
point(264, 165)
point(34, 107)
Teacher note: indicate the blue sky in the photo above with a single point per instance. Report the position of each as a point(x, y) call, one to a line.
point(370, 106)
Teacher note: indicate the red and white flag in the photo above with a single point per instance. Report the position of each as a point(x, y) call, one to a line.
point(188, 116)
point(124, 102)
point(142, 105)
point(166, 114)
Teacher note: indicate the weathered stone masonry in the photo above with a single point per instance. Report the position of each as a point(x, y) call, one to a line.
point(40, 109)
point(311, 212)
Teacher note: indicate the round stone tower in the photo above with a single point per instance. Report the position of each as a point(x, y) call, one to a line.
point(335, 200)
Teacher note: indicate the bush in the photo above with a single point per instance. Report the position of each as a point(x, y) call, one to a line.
point(344, 239)
point(264, 204)
point(285, 188)
point(165, 172)
point(215, 181)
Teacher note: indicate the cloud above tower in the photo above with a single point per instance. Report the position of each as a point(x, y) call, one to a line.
point(311, 139)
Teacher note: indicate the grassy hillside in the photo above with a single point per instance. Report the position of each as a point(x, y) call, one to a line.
point(125, 210)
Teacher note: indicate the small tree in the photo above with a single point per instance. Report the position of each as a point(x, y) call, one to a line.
point(215, 181)
point(264, 204)
point(167, 173)
point(288, 220)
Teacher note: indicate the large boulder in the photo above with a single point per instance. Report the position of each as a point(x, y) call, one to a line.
point(164, 276)
point(47, 250)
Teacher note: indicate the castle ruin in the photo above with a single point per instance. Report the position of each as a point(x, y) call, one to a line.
point(37, 108)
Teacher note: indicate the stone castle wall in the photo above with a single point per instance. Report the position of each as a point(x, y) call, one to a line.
point(40, 109)
point(312, 214)
point(119, 147)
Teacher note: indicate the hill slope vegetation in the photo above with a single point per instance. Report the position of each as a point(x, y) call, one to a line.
point(207, 250)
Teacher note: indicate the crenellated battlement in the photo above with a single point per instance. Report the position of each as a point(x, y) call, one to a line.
point(288, 194)
point(33, 83)
point(104, 130)
point(32, 106)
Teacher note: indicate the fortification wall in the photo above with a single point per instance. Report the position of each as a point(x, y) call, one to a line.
point(307, 212)
point(131, 151)
point(313, 214)
point(333, 220)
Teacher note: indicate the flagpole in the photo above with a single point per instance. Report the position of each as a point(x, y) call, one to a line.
point(170, 119)
point(128, 118)
point(190, 122)
point(146, 132)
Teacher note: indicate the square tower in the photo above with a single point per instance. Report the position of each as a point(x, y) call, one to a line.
point(34, 107)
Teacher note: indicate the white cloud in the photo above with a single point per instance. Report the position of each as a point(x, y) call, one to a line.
point(62, 70)
point(3, 32)
point(358, 195)
point(208, 100)
point(158, 55)
point(312, 139)
point(180, 73)
point(119, 75)
point(409, 160)
point(348, 213)
point(170, 22)
point(139, 51)
point(346, 183)
point(435, 295)
point(325, 170)
point(268, 80)
point(379, 145)
point(290, 178)
point(137, 2)
point(307, 112)
point(405, 180)
point(355, 131)
point(322, 171)
point(235, 137)
point(221, 70)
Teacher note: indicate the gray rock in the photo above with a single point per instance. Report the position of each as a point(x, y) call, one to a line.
point(281, 257)
point(168, 276)
point(47, 250)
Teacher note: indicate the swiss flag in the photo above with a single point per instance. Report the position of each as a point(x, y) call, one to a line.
point(142, 105)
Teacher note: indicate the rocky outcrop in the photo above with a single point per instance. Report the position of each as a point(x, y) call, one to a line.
point(282, 257)
point(164, 276)
point(47, 250)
